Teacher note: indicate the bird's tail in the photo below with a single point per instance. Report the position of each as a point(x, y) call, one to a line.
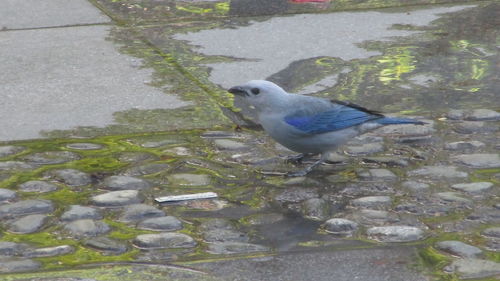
point(396, 120)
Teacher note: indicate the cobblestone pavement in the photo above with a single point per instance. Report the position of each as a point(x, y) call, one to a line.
point(400, 203)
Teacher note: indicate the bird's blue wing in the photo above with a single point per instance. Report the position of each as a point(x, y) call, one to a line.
point(342, 115)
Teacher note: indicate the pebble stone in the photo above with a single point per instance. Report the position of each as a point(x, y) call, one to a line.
point(492, 232)
point(84, 146)
point(224, 235)
point(190, 179)
point(137, 212)
point(51, 157)
point(15, 166)
point(473, 187)
point(458, 248)
point(167, 223)
point(49, 251)
point(72, 177)
point(474, 268)
point(452, 197)
point(415, 185)
point(117, 198)
point(378, 174)
point(125, 182)
point(28, 224)
point(295, 195)
point(26, 207)
point(106, 245)
point(6, 194)
point(482, 115)
point(316, 209)
point(438, 172)
point(178, 150)
point(340, 226)
point(164, 240)
point(474, 127)
point(372, 201)
point(18, 265)
point(11, 248)
point(395, 233)
point(225, 144)
point(136, 157)
point(37, 186)
point(8, 150)
point(463, 145)
point(225, 248)
point(478, 160)
point(365, 149)
point(146, 169)
point(77, 212)
point(86, 228)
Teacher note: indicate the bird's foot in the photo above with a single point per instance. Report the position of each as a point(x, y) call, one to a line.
point(295, 159)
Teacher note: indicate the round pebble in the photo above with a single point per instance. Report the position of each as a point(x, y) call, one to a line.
point(125, 182)
point(15, 166)
point(37, 186)
point(106, 245)
point(26, 207)
point(146, 169)
point(86, 228)
point(458, 248)
point(473, 187)
point(226, 248)
point(49, 251)
point(72, 177)
point(84, 146)
point(372, 201)
point(225, 144)
point(28, 224)
point(7, 194)
point(164, 240)
point(137, 212)
point(51, 157)
point(438, 172)
point(117, 198)
point(168, 223)
point(18, 265)
point(8, 150)
point(395, 233)
point(190, 179)
point(340, 226)
point(478, 160)
point(77, 212)
point(316, 209)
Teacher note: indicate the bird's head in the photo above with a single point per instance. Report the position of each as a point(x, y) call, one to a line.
point(261, 94)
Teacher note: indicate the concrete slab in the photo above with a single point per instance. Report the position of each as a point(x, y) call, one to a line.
point(394, 264)
point(18, 14)
point(66, 77)
point(262, 51)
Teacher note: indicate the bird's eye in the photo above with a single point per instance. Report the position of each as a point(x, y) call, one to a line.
point(255, 91)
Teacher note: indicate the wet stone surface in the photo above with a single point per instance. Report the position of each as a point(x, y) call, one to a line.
point(37, 186)
point(72, 177)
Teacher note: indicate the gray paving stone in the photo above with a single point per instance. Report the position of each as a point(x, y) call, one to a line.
point(51, 157)
point(464, 145)
point(18, 265)
point(448, 172)
point(7, 194)
point(167, 223)
point(8, 150)
point(395, 233)
point(316, 209)
point(340, 226)
point(15, 166)
point(49, 251)
point(26, 207)
point(365, 149)
point(460, 249)
point(72, 177)
point(372, 202)
point(146, 169)
point(415, 186)
point(190, 179)
point(474, 268)
point(491, 232)
point(125, 182)
point(84, 146)
point(224, 235)
point(452, 197)
point(11, 248)
point(226, 248)
point(164, 240)
point(107, 245)
point(478, 160)
point(86, 228)
point(37, 186)
point(117, 198)
point(473, 187)
point(138, 212)
point(77, 212)
point(378, 175)
point(28, 224)
point(225, 144)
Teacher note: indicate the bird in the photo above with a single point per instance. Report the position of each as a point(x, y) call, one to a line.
point(310, 125)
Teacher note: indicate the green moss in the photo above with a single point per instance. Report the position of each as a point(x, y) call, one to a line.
point(434, 260)
point(84, 255)
point(39, 239)
point(66, 196)
point(122, 231)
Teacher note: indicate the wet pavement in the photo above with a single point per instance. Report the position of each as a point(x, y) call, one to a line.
point(128, 99)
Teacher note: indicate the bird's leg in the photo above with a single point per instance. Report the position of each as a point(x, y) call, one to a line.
point(295, 159)
point(306, 170)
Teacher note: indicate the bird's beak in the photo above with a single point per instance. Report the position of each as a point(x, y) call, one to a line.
point(237, 91)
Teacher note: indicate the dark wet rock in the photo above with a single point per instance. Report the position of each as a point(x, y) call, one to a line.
point(471, 127)
point(117, 198)
point(479, 160)
point(474, 268)
point(473, 187)
point(385, 160)
point(340, 226)
point(51, 157)
point(72, 177)
point(125, 182)
point(15, 166)
point(415, 185)
point(6, 194)
point(84, 146)
point(452, 197)
point(135, 157)
point(28, 224)
point(216, 223)
point(395, 233)
point(224, 235)
point(8, 150)
point(37, 186)
point(26, 207)
point(224, 248)
point(86, 228)
point(137, 212)
point(49, 251)
point(491, 232)
point(482, 115)
point(296, 195)
point(365, 149)
point(317, 209)
point(225, 144)
point(458, 248)
point(146, 169)
point(448, 172)
point(164, 240)
point(18, 265)
point(77, 212)
point(168, 223)
point(107, 245)
point(262, 219)
point(464, 145)
point(372, 202)
point(377, 175)
point(11, 248)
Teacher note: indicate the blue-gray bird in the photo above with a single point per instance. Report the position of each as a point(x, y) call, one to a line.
point(310, 125)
